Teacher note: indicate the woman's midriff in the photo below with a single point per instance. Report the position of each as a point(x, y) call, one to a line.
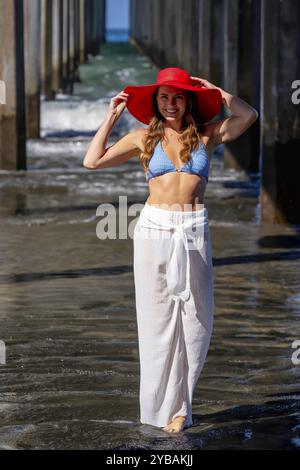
point(182, 191)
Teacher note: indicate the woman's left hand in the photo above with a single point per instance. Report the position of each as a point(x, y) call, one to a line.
point(203, 82)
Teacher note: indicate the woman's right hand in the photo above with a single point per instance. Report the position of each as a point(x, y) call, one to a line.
point(118, 104)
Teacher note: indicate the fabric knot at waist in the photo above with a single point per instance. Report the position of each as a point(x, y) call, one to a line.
point(186, 232)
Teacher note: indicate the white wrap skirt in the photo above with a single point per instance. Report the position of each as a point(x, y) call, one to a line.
point(174, 295)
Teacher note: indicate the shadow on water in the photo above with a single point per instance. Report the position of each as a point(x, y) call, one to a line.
point(70, 133)
point(119, 270)
point(280, 241)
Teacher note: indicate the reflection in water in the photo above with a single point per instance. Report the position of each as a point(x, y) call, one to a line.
point(67, 298)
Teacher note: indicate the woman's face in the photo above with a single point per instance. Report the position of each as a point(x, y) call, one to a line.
point(171, 99)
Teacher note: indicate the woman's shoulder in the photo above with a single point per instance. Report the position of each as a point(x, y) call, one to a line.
point(139, 133)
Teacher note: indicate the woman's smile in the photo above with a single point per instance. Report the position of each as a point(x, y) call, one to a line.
point(171, 112)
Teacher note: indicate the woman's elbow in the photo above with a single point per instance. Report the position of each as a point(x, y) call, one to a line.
point(89, 164)
point(253, 115)
point(89, 167)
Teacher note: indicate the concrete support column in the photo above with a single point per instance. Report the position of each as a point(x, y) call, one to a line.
point(246, 148)
point(190, 36)
point(82, 39)
point(57, 29)
point(12, 113)
point(216, 41)
point(65, 45)
point(93, 8)
point(72, 65)
point(179, 28)
point(94, 23)
point(102, 21)
point(32, 33)
point(159, 51)
point(242, 76)
point(138, 19)
point(280, 146)
point(96, 26)
point(169, 32)
point(230, 68)
point(88, 28)
point(46, 49)
point(202, 48)
point(77, 39)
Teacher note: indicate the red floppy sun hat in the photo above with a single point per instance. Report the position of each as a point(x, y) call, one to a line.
point(140, 100)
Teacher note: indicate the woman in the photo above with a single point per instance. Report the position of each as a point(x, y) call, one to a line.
point(173, 272)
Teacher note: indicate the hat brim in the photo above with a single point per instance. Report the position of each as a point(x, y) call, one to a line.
point(140, 104)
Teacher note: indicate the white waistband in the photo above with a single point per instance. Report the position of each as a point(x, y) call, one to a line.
point(174, 217)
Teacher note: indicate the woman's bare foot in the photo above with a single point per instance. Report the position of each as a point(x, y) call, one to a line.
point(176, 425)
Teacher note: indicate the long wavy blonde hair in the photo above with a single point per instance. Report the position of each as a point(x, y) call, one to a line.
point(190, 137)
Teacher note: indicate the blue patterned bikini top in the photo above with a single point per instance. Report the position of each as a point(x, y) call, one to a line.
point(160, 163)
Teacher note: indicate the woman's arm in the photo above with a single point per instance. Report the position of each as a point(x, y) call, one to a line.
point(98, 144)
point(97, 155)
point(232, 127)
